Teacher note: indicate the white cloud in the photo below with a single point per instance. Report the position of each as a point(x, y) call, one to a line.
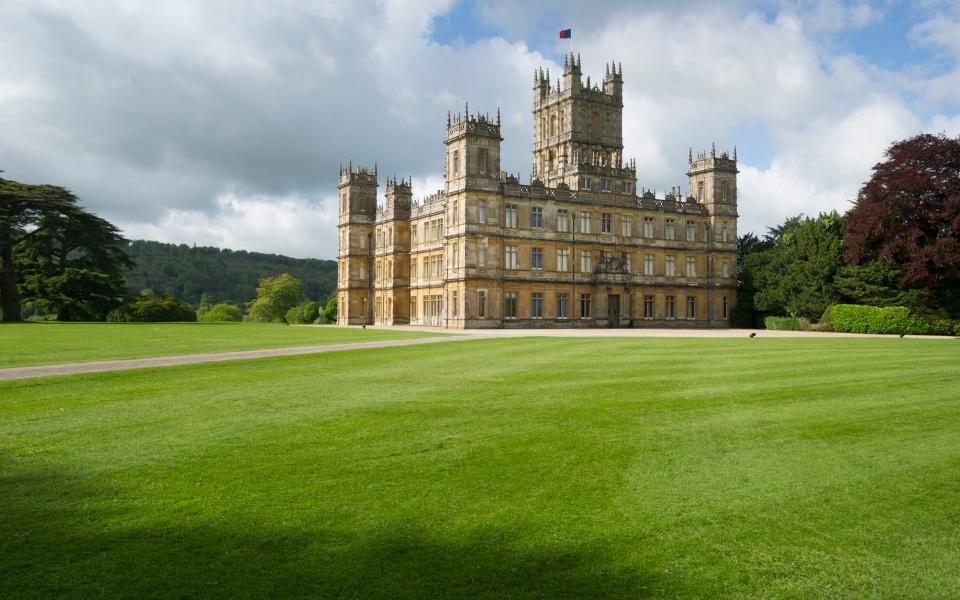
point(290, 225)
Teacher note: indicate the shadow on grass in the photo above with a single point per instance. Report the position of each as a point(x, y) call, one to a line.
point(63, 537)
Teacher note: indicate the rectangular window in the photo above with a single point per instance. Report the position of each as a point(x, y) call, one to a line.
point(691, 307)
point(510, 257)
point(606, 223)
point(586, 226)
point(510, 305)
point(670, 230)
point(456, 163)
point(626, 226)
point(536, 305)
point(456, 255)
point(482, 161)
point(536, 217)
point(700, 192)
point(586, 183)
point(606, 185)
point(671, 266)
point(510, 215)
point(413, 307)
point(454, 297)
point(482, 304)
point(563, 301)
point(691, 266)
point(648, 264)
point(671, 307)
point(455, 213)
point(723, 191)
point(627, 259)
point(627, 187)
point(725, 308)
point(648, 307)
point(724, 234)
point(585, 306)
point(482, 254)
point(482, 212)
point(691, 231)
point(563, 258)
point(648, 227)
point(725, 268)
point(413, 269)
point(563, 220)
point(536, 259)
point(585, 262)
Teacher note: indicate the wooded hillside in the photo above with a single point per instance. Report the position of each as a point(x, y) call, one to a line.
point(225, 275)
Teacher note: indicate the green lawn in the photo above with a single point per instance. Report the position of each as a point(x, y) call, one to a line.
point(742, 468)
point(48, 343)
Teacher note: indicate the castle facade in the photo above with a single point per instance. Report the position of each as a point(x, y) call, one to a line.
point(576, 247)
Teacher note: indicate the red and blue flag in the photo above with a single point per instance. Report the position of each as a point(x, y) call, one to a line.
point(566, 33)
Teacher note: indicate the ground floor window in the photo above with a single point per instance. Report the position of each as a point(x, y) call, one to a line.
point(584, 306)
point(454, 297)
point(725, 308)
point(691, 307)
point(536, 305)
point(510, 305)
point(562, 305)
point(482, 304)
point(648, 307)
point(671, 307)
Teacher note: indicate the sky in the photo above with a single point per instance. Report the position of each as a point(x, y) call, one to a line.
point(224, 123)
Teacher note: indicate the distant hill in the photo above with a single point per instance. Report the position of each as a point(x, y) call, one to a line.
point(226, 275)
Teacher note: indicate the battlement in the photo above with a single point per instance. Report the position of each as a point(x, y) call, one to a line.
point(360, 175)
point(711, 161)
point(401, 187)
point(477, 124)
point(610, 92)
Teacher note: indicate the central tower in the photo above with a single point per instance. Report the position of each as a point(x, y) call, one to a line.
point(578, 130)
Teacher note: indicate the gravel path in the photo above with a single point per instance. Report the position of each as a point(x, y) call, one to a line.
point(188, 359)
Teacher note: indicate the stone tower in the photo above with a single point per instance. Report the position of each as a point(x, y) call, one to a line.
point(473, 152)
point(578, 130)
point(358, 212)
point(713, 183)
point(392, 256)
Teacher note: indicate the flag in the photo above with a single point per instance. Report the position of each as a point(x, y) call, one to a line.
point(566, 33)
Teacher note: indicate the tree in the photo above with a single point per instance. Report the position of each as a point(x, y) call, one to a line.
point(909, 213)
point(56, 254)
point(796, 276)
point(275, 296)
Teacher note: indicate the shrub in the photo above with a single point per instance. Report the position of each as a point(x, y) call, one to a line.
point(219, 313)
point(294, 316)
point(889, 319)
point(151, 309)
point(826, 319)
point(782, 323)
point(311, 312)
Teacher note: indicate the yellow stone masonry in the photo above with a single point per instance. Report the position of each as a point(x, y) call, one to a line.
point(576, 247)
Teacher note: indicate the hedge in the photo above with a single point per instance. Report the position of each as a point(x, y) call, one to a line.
point(782, 323)
point(150, 309)
point(852, 318)
point(221, 313)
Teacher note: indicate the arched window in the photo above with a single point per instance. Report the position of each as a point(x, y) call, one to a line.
point(553, 125)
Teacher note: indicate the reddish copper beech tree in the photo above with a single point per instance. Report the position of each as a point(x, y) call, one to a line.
point(909, 212)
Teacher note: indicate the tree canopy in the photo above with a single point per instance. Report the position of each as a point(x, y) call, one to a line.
point(56, 254)
point(909, 213)
point(275, 296)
